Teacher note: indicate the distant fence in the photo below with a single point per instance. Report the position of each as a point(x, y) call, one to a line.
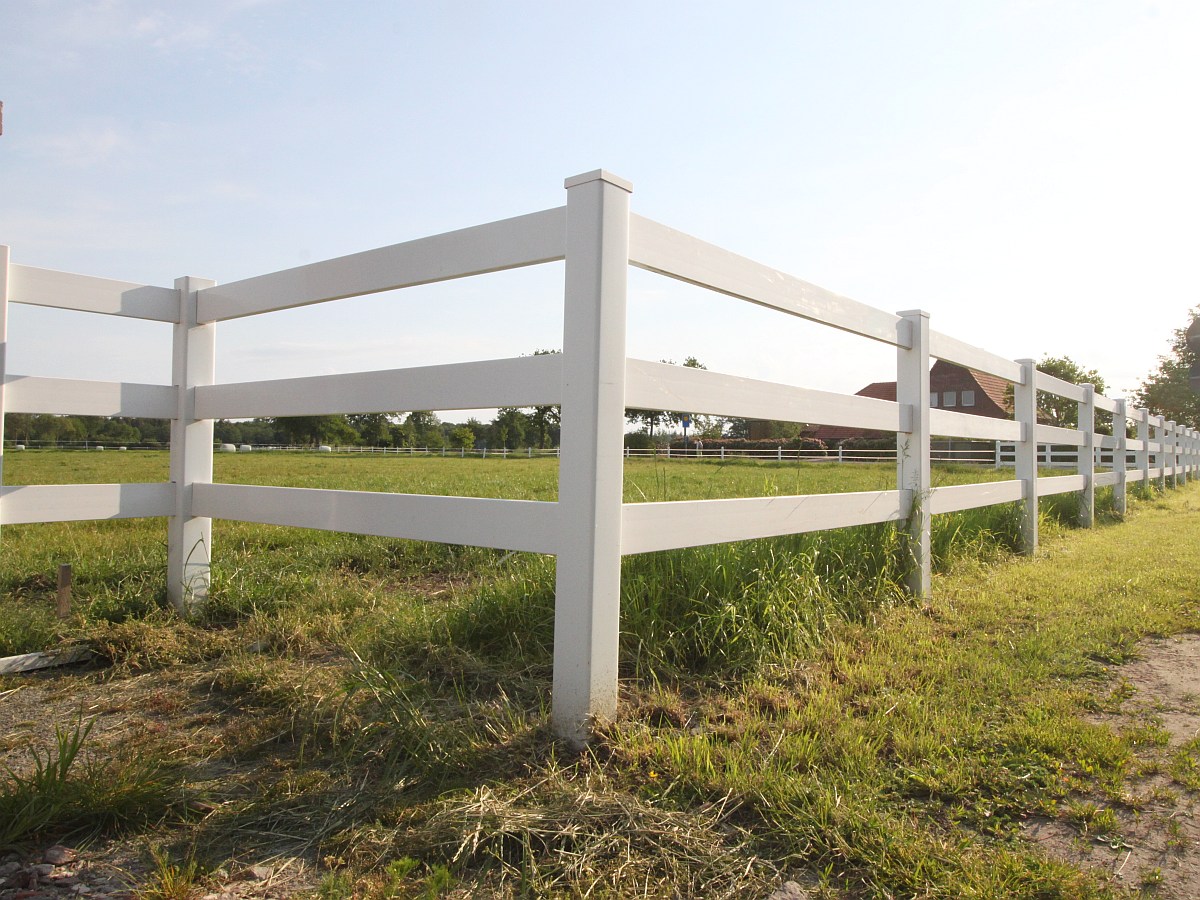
point(589, 528)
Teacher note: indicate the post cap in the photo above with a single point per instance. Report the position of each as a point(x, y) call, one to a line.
point(599, 175)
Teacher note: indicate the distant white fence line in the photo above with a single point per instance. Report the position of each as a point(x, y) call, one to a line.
point(589, 528)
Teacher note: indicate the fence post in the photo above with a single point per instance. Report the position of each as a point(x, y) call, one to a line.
point(1120, 455)
point(1085, 460)
point(588, 571)
point(1025, 452)
point(1143, 455)
point(1185, 453)
point(189, 537)
point(1160, 458)
point(912, 457)
point(3, 346)
point(1171, 446)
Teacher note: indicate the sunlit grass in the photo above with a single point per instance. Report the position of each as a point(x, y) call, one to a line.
point(786, 707)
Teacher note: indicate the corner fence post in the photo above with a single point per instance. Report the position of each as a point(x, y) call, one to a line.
point(1120, 455)
point(1026, 452)
point(912, 461)
point(189, 537)
point(3, 353)
point(588, 571)
point(1085, 460)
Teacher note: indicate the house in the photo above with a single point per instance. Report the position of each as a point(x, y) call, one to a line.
point(950, 387)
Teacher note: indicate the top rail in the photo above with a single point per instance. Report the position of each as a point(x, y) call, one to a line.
point(508, 244)
point(953, 350)
point(1057, 386)
point(657, 248)
point(86, 293)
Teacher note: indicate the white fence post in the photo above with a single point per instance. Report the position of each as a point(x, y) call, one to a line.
point(1185, 453)
point(1143, 455)
point(1172, 451)
point(1085, 461)
point(1026, 452)
point(588, 580)
point(1160, 457)
point(912, 456)
point(3, 345)
point(189, 538)
point(1120, 455)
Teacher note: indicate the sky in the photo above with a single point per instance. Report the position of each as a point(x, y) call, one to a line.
point(1026, 172)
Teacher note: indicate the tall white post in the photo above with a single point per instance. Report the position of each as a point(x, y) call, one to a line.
point(1160, 457)
point(3, 346)
point(912, 448)
point(588, 580)
point(189, 538)
point(1185, 450)
point(1143, 455)
point(1120, 454)
point(1172, 445)
point(1085, 463)
point(1026, 451)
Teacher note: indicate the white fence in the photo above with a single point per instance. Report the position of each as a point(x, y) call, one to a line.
point(589, 528)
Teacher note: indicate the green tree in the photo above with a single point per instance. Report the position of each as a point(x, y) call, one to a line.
point(310, 429)
point(422, 428)
point(462, 438)
point(1059, 410)
point(1165, 391)
point(509, 426)
point(1055, 410)
point(374, 428)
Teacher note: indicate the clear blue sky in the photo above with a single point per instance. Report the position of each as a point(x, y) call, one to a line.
point(1027, 172)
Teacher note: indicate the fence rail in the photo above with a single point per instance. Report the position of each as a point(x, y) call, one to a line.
point(589, 528)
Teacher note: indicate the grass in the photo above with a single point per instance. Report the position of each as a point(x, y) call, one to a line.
point(80, 796)
point(381, 707)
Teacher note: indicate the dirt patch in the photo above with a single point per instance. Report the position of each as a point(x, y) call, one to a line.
point(164, 710)
point(1155, 844)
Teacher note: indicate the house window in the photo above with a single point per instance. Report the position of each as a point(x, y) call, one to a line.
point(968, 398)
point(933, 398)
point(949, 398)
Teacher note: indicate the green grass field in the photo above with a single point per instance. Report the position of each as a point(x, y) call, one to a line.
point(786, 709)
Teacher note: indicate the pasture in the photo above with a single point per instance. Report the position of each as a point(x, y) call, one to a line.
point(371, 715)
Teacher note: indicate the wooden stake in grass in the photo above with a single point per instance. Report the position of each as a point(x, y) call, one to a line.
point(64, 591)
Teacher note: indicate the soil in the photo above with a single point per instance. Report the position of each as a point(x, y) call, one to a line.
point(1156, 846)
point(128, 712)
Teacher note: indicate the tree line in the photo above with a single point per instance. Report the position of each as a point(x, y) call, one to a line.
point(1165, 391)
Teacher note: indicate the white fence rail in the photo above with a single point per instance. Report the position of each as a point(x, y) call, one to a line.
point(589, 528)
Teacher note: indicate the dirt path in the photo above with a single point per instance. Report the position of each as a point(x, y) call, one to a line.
point(1156, 845)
